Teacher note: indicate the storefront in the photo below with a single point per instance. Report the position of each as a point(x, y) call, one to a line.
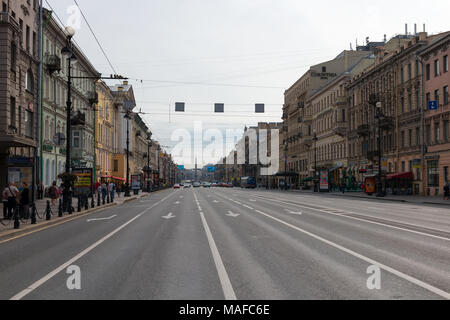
point(400, 183)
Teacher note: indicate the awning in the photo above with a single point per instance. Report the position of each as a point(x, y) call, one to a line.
point(117, 178)
point(287, 174)
point(404, 175)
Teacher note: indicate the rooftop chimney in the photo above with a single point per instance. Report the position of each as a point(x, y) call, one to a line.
point(424, 28)
point(125, 82)
point(406, 29)
point(415, 28)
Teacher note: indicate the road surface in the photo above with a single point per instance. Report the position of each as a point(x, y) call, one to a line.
point(202, 244)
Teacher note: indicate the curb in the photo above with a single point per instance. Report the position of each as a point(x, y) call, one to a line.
point(12, 234)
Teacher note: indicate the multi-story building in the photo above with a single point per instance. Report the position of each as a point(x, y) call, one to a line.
point(19, 27)
point(297, 119)
point(140, 134)
point(327, 108)
point(395, 80)
point(54, 98)
point(434, 59)
point(124, 103)
point(106, 131)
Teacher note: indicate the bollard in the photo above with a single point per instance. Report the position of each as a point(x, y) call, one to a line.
point(70, 208)
point(103, 199)
point(98, 199)
point(79, 204)
point(92, 202)
point(33, 213)
point(16, 218)
point(48, 211)
point(86, 203)
point(107, 199)
point(60, 209)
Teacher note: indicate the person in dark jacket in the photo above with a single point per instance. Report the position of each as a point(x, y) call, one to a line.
point(25, 201)
point(446, 191)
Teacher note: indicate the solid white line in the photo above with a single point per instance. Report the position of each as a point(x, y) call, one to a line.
point(49, 276)
point(223, 275)
point(366, 221)
point(225, 282)
point(101, 219)
point(400, 274)
point(248, 207)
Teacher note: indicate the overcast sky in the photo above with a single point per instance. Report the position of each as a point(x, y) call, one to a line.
point(258, 48)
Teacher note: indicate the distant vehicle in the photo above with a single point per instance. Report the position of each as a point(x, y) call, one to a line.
point(177, 186)
point(248, 182)
point(187, 186)
point(230, 185)
point(206, 185)
point(214, 185)
point(196, 184)
point(181, 184)
point(223, 185)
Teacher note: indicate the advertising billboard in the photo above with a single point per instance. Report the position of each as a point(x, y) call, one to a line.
point(324, 180)
point(136, 182)
point(84, 183)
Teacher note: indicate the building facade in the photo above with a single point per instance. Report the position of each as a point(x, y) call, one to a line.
point(19, 29)
point(434, 59)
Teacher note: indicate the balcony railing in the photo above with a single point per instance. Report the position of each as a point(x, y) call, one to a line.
point(52, 62)
point(364, 130)
point(93, 97)
point(341, 128)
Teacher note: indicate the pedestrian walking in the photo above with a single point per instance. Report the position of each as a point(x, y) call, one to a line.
point(25, 201)
point(40, 189)
point(119, 189)
point(111, 190)
point(5, 205)
point(104, 191)
point(53, 193)
point(343, 187)
point(11, 193)
point(446, 191)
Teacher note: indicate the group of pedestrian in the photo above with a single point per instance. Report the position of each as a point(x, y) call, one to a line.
point(13, 198)
point(104, 189)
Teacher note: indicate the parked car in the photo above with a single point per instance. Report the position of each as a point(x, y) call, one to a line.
point(177, 186)
point(206, 185)
point(196, 184)
point(187, 186)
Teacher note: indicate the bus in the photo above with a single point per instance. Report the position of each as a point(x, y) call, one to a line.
point(248, 182)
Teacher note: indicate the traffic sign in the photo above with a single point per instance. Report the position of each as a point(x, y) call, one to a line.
point(433, 105)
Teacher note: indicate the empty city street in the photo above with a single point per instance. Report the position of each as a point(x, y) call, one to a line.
point(232, 243)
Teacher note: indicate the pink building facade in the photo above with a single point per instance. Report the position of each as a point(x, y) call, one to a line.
point(436, 127)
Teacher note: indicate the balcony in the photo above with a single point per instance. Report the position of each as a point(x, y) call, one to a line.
point(5, 17)
point(52, 62)
point(364, 130)
point(340, 128)
point(93, 97)
point(387, 123)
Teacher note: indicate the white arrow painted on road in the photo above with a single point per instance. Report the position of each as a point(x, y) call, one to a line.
point(292, 212)
point(233, 215)
point(178, 202)
point(102, 219)
point(169, 216)
point(215, 201)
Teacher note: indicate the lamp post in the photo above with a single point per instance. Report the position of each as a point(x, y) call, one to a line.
point(285, 164)
point(315, 139)
point(149, 140)
point(159, 167)
point(127, 183)
point(380, 117)
point(67, 53)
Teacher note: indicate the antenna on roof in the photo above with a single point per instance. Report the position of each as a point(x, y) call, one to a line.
point(424, 28)
point(415, 28)
point(385, 38)
point(351, 47)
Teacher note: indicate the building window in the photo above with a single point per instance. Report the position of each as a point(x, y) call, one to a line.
point(402, 141)
point(445, 95)
point(428, 72)
point(409, 102)
point(76, 139)
point(409, 72)
point(403, 166)
point(428, 99)
point(402, 77)
point(436, 68)
point(433, 173)
point(428, 134)
point(402, 102)
point(437, 133)
point(446, 64)
point(29, 81)
point(28, 39)
point(12, 112)
point(436, 96)
point(28, 124)
point(410, 139)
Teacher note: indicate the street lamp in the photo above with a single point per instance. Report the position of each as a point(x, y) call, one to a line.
point(159, 167)
point(285, 164)
point(315, 139)
point(67, 53)
point(380, 117)
point(150, 144)
point(127, 183)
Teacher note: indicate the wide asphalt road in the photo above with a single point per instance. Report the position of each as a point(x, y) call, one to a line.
point(236, 244)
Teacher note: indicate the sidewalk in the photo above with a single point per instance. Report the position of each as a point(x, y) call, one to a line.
point(7, 226)
point(408, 199)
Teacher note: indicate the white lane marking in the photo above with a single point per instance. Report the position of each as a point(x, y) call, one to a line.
point(223, 275)
point(49, 276)
point(369, 221)
point(248, 207)
point(101, 219)
point(225, 282)
point(215, 201)
point(252, 200)
point(233, 215)
point(178, 202)
point(293, 212)
point(169, 216)
point(400, 274)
